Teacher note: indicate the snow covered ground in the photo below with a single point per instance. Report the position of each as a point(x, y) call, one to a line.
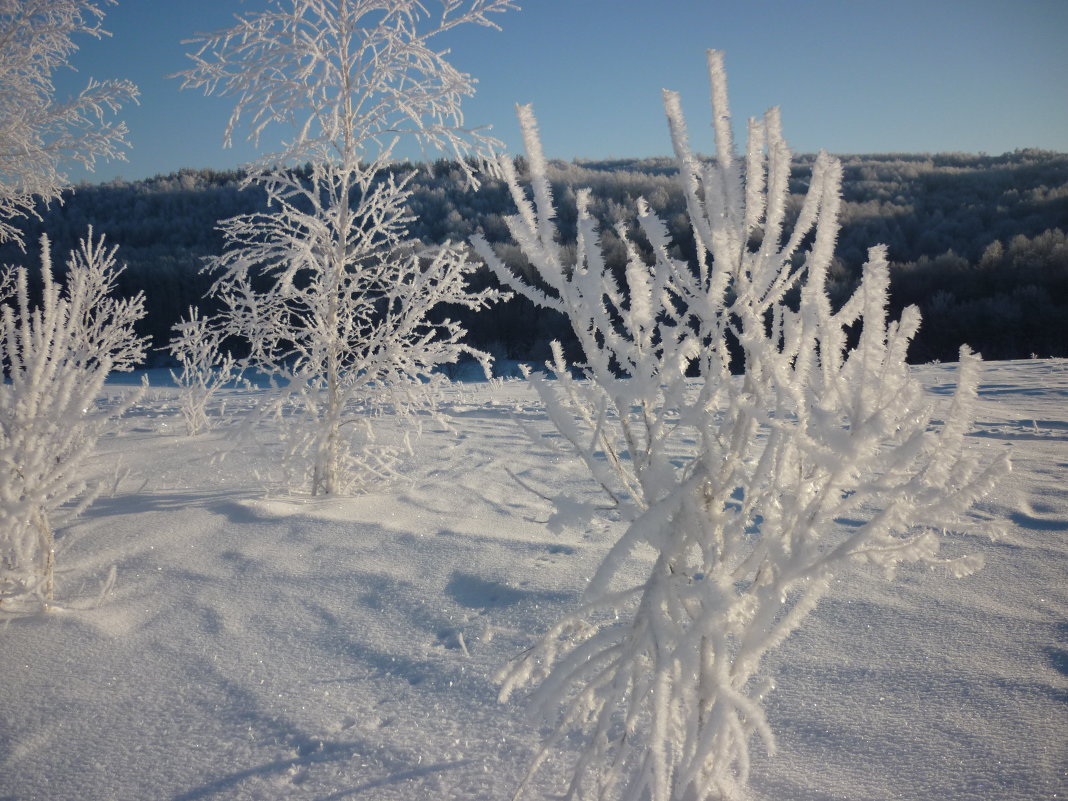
point(261, 646)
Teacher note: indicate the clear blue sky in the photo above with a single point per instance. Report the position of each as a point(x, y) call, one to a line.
point(852, 76)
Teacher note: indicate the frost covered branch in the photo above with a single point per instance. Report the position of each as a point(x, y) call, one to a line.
point(39, 133)
point(346, 76)
point(752, 486)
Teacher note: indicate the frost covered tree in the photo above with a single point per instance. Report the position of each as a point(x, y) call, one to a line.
point(750, 490)
point(204, 368)
point(334, 298)
point(55, 358)
point(38, 133)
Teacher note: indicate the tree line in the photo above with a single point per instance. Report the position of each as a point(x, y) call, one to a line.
point(978, 242)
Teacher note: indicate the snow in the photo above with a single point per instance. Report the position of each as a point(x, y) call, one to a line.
point(257, 645)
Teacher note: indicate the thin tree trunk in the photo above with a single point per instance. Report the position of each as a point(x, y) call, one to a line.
point(47, 557)
point(330, 455)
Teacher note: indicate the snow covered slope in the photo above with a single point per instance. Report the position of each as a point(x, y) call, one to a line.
point(262, 646)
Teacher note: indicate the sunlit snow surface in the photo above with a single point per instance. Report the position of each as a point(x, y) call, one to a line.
point(263, 646)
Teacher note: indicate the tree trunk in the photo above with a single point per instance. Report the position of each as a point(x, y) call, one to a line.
point(46, 557)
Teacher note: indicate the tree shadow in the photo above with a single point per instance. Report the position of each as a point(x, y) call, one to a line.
point(245, 712)
point(395, 778)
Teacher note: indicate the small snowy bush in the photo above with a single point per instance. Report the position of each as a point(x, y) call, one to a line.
point(55, 358)
point(749, 489)
point(204, 369)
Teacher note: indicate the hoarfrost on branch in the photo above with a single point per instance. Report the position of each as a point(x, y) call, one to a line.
point(38, 133)
point(742, 436)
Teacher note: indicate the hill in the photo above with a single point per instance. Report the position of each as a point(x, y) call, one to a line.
point(977, 241)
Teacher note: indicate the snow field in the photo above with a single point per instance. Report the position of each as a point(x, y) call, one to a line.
point(265, 646)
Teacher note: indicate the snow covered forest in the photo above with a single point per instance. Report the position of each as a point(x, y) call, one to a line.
point(977, 242)
point(501, 477)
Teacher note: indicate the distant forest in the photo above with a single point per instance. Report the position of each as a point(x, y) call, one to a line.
point(977, 242)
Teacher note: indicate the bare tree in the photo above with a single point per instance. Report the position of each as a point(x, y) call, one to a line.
point(39, 134)
point(751, 490)
point(326, 285)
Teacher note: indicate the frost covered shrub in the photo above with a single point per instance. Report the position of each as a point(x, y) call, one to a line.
point(331, 292)
point(55, 358)
point(751, 490)
point(204, 368)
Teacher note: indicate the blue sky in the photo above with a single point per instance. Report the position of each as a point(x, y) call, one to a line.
point(851, 76)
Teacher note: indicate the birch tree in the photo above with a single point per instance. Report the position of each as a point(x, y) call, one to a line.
point(40, 134)
point(336, 301)
point(750, 491)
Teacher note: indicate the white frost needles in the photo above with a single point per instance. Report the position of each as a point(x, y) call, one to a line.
point(751, 489)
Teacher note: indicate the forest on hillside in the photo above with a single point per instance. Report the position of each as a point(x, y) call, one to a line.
point(978, 242)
